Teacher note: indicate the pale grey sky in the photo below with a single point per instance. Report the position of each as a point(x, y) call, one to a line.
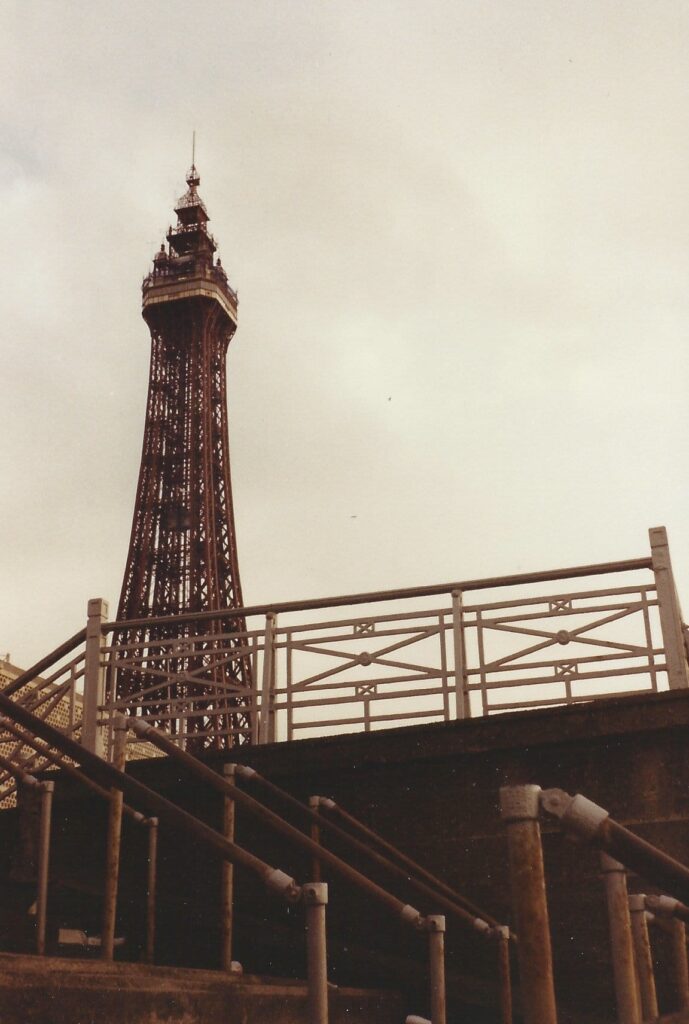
point(460, 236)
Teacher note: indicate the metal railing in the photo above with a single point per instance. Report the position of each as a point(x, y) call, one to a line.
point(110, 781)
point(421, 654)
point(629, 916)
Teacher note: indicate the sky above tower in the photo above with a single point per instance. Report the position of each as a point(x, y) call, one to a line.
point(459, 232)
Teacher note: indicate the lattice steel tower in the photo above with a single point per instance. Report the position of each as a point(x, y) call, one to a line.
point(183, 553)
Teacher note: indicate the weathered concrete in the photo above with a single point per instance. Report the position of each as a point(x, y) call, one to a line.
point(60, 991)
point(433, 790)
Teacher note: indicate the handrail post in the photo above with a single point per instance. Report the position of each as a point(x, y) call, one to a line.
point(621, 942)
point(46, 789)
point(435, 926)
point(462, 705)
point(315, 804)
point(151, 887)
point(112, 853)
point(644, 957)
point(227, 891)
point(94, 676)
point(680, 967)
point(519, 808)
point(315, 896)
point(266, 730)
point(669, 610)
point(504, 974)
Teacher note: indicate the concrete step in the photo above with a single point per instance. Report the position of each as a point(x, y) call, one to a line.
point(53, 990)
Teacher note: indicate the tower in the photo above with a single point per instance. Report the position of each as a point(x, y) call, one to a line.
point(182, 552)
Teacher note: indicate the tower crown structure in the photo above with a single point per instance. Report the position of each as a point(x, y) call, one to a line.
point(183, 553)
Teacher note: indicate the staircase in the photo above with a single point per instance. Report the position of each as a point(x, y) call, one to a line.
point(51, 990)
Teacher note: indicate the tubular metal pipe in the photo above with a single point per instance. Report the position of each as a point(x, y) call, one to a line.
point(227, 883)
point(680, 968)
point(314, 805)
point(520, 807)
point(151, 888)
point(394, 869)
point(315, 897)
point(140, 794)
point(409, 863)
point(216, 782)
point(30, 674)
point(489, 583)
point(579, 815)
point(621, 942)
point(644, 958)
point(47, 789)
point(504, 976)
point(114, 842)
point(66, 767)
point(435, 925)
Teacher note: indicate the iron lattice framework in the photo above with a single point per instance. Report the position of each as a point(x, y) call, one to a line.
point(183, 552)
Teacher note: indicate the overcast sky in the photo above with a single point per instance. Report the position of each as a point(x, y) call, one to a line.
point(460, 235)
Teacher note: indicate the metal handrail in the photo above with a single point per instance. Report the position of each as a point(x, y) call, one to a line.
point(46, 662)
point(258, 810)
point(448, 900)
point(109, 776)
point(372, 597)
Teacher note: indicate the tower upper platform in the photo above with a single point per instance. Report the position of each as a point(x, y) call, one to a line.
point(186, 269)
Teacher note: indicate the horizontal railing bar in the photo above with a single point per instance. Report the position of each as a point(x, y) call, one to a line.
point(372, 597)
point(275, 821)
point(47, 662)
point(580, 699)
point(137, 793)
point(401, 715)
point(592, 659)
point(629, 670)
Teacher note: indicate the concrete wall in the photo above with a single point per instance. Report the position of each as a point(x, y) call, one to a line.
point(433, 790)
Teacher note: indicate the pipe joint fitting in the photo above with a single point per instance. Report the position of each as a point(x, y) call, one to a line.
point(577, 814)
point(519, 803)
point(412, 916)
point(244, 772)
point(314, 894)
point(281, 883)
point(434, 922)
point(637, 903)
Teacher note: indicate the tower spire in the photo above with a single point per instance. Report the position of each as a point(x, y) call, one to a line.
point(183, 552)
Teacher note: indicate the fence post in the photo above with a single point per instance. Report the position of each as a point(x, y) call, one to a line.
point(266, 731)
point(504, 974)
point(680, 968)
point(621, 943)
point(462, 704)
point(94, 676)
point(112, 852)
point(644, 958)
point(315, 804)
point(519, 808)
point(435, 926)
point(46, 789)
point(151, 885)
point(315, 896)
point(227, 893)
point(669, 610)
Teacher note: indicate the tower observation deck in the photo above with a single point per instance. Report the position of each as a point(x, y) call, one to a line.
point(183, 553)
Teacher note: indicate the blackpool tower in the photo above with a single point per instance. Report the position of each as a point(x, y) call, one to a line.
point(182, 553)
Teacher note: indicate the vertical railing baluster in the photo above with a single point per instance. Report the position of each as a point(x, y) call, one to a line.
point(669, 610)
point(315, 897)
point(151, 888)
point(621, 941)
point(112, 852)
point(520, 808)
point(435, 927)
point(227, 891)
point(46, 796)
point(462, 705)
point(643, 957)
point(94, 677)
point(267, 727)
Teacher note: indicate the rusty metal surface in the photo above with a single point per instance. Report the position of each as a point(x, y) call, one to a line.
point(183, 552)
